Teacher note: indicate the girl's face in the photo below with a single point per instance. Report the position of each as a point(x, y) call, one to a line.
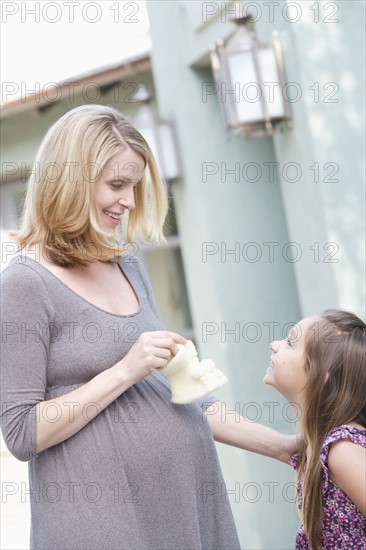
point(115, 189)
point(286, 372)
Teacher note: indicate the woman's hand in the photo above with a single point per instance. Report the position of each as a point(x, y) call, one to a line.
point(153, 350)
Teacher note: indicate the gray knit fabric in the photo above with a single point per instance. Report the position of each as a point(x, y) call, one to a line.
point(144, 474)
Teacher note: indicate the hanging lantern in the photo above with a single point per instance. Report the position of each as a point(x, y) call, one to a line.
point(160, 136)
point(250, 81)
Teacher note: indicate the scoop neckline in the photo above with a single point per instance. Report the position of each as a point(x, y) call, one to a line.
point(84, 299)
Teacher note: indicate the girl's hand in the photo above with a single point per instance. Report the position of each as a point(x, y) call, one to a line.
point(290, 445)
point(153, 350)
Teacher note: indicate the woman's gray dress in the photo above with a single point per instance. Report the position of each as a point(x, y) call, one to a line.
point(144, 473)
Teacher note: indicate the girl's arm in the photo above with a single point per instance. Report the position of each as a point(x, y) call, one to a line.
point(233, 429)
point(347, 468)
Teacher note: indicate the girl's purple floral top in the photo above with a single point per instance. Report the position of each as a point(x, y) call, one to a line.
point(344, 526)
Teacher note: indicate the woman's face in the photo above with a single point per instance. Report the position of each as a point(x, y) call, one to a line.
point(115, 189)
point(286, 372)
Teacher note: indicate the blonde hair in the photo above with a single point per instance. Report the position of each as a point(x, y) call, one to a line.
point(60, 210)
point(334, 353)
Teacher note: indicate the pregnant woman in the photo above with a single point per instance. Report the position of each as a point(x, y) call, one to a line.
point(113, 463)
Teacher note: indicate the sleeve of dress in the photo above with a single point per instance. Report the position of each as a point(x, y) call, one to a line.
point(26, 320)
point(294, 461)
point(351, 433)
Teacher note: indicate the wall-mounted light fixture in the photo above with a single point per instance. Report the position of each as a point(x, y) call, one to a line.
point(250, 82)
point(159, 134)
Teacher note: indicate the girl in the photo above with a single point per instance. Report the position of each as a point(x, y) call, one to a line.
point(113, 463)
point(321, 370)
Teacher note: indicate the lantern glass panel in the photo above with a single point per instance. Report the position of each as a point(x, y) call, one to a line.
point(257, 96)
point(163, 148)
point(244, 79)
point(272, 91)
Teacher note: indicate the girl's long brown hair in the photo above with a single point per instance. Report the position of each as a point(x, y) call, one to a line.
point(335, 363)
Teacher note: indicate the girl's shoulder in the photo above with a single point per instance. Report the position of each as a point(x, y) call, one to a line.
point(346, 432)
point(352, 432)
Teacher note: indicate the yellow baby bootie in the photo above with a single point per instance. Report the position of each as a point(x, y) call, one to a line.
point(189, 378)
